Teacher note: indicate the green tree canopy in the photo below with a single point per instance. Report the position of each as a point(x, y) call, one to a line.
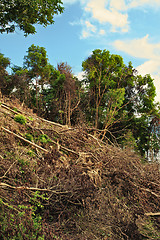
point(5, 80)
point(119, 100)
point(103, 77)
point(24, 14)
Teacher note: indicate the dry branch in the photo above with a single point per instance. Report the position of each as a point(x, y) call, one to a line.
point(53, 123)
point(152, 214)
point(6, 107)
point(32, 188)
point(39, 118)
point(33, 144)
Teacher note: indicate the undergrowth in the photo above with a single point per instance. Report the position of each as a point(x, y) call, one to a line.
point(67, 184)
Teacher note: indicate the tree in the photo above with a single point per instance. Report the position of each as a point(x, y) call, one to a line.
point(6, 85)
point(70, 88)
point(24, 14)
point(53, 97)
point(22, 89)
point(119, 100)
point(62, 94)
point(39, 71)
point(103, 76)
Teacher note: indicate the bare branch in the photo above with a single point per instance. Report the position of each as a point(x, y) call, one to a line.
point(152, 214)
point(31, 188)
point(33, 144)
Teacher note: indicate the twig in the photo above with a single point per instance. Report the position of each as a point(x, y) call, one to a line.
point(11, 207)
point(147, 190)
point(33, 144)
point(13, 111)
point(8, 170)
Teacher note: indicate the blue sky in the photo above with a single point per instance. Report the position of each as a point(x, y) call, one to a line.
point(126, 27)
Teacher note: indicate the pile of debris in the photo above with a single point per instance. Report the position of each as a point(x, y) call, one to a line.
point(57, 181)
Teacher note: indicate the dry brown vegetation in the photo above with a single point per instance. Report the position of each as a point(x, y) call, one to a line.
point(58, 182)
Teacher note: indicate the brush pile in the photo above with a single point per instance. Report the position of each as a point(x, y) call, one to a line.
point(58, 182)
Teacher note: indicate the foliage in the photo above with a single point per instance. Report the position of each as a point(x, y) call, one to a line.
point(62, 95)
point(20, 119)
point(112, 97)
point(44, 138)
point(103, 76)
point(119, 98)
point(29, 136)
point(24, 14)
point(5, 80)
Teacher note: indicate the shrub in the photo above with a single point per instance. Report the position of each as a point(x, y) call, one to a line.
point(20, 118)
point(44, 138)
point(29, 137)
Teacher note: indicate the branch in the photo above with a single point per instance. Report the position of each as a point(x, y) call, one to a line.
point(33, 144)
point(6, 107)
point(147, 190)
point(32, 188)
point(53, 123)
point(152, 214)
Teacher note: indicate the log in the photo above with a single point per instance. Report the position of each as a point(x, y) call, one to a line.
point(31, 143)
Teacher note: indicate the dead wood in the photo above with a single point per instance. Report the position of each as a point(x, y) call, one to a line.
point(152, 214)
point(31, 143)
point(92, 189)
point(3, 185)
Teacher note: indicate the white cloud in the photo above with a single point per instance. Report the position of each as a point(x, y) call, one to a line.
point(88, 29)
point(85, 34)
point(144, 49)
point(157, 85)
point(90, 26)
point(140, 48)
point(118, 5)
point(137, 3)
point(112, 12)
point(102, 32)
point(103, 15)
point(81, 75)
point(150, 66)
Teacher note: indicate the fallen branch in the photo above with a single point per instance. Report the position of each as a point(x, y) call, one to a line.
point(13, 111)
point(53, 123)
point(31, 143)
point(2, 105)
point(32, 188)
point(152, 214)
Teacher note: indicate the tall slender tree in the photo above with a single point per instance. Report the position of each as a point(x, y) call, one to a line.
point(39, 70)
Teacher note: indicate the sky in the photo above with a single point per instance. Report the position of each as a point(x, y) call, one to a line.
point(129, 28)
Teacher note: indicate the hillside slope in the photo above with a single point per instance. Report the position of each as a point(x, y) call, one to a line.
point(64, 183)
